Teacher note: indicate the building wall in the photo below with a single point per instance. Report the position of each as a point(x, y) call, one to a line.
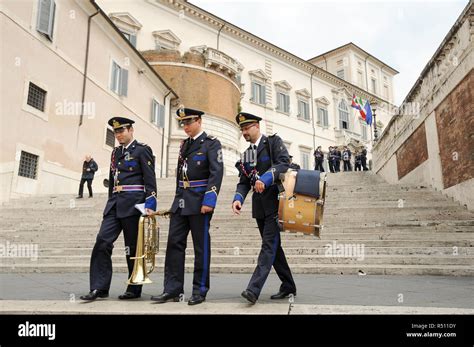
point(455, 123)
point(351, 60)
point(197, 85)
point(194, 32)
point(413, 152)
point(54, 135)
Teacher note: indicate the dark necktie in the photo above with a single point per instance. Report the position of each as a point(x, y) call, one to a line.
point(254, 154)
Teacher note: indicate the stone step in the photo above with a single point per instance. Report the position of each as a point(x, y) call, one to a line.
point(307, 242)
point(314, 260)
point(331, 204)
point(415, 251)
point(343, 269)
point(235, 221)
point(217, 237)
point(75, 231)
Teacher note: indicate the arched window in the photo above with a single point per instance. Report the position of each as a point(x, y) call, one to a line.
point(343, 115)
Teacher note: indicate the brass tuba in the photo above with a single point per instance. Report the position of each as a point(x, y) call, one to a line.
point(147, 247)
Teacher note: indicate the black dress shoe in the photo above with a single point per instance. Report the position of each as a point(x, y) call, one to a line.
point(196, 299)
point(282, 295)
point(162, 298)
point(129, 295)
point(94, 294)
point(251, 297)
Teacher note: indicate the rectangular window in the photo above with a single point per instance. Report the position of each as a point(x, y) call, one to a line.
point(364, 131)
point(305, 160)
point(110, 138)
point(303, 110)
point(28, 165)
point(323, 117)
point(360, 80)
point(158, 114)
point(258, 93)
point(36, 97)
point(45, 18)
point(340, 74)
point(283, 102)
point(130, 37)
point(374, 85)
point(119, 80)
point(344, 124)
point(385, 91)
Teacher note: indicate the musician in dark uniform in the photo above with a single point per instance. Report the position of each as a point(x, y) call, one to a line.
point(337, 159)
point(358, 161)
point(318, 159)
point(363, 157)
point(132, 180)
point(260, 167)
point(346, 158)
point(198, 181)
point(332, 159)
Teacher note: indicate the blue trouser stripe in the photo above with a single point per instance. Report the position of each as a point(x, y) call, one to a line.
point(206, 255)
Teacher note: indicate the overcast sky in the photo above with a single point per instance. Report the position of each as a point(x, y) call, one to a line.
point(403, 34)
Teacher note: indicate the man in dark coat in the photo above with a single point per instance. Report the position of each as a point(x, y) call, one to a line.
point(89, 167)
point(260, 168)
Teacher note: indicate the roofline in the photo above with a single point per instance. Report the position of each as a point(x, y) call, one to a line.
point(107, 18)
point(310, 66)
point(356, 46)
point(449, 35)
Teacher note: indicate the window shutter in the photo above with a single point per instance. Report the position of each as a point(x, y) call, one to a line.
point(263, 96)
point(124, 82)
point(113, 79)
point(133, 40)
point(153, 111)
point(254, 92)
point(161, 120)
point(45, 19)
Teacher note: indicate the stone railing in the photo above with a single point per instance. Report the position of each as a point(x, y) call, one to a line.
point(220, 60)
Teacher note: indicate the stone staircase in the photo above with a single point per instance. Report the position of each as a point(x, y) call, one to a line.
point(396, 229)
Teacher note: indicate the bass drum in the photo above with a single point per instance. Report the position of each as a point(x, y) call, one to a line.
point(301, 204)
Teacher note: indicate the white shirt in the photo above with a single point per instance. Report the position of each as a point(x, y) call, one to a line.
point(257, 142)
point(195, 137)
point(124, 148)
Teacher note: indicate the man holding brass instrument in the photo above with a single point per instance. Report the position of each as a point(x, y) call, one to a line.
point(132, 181)
point(198, 181)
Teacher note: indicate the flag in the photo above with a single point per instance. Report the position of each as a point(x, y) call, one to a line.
point(368, 113)
point(358, 104)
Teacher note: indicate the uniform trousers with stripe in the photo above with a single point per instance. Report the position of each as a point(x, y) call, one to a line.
point(176, 251)
point(271, 254)
point(101, 260)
